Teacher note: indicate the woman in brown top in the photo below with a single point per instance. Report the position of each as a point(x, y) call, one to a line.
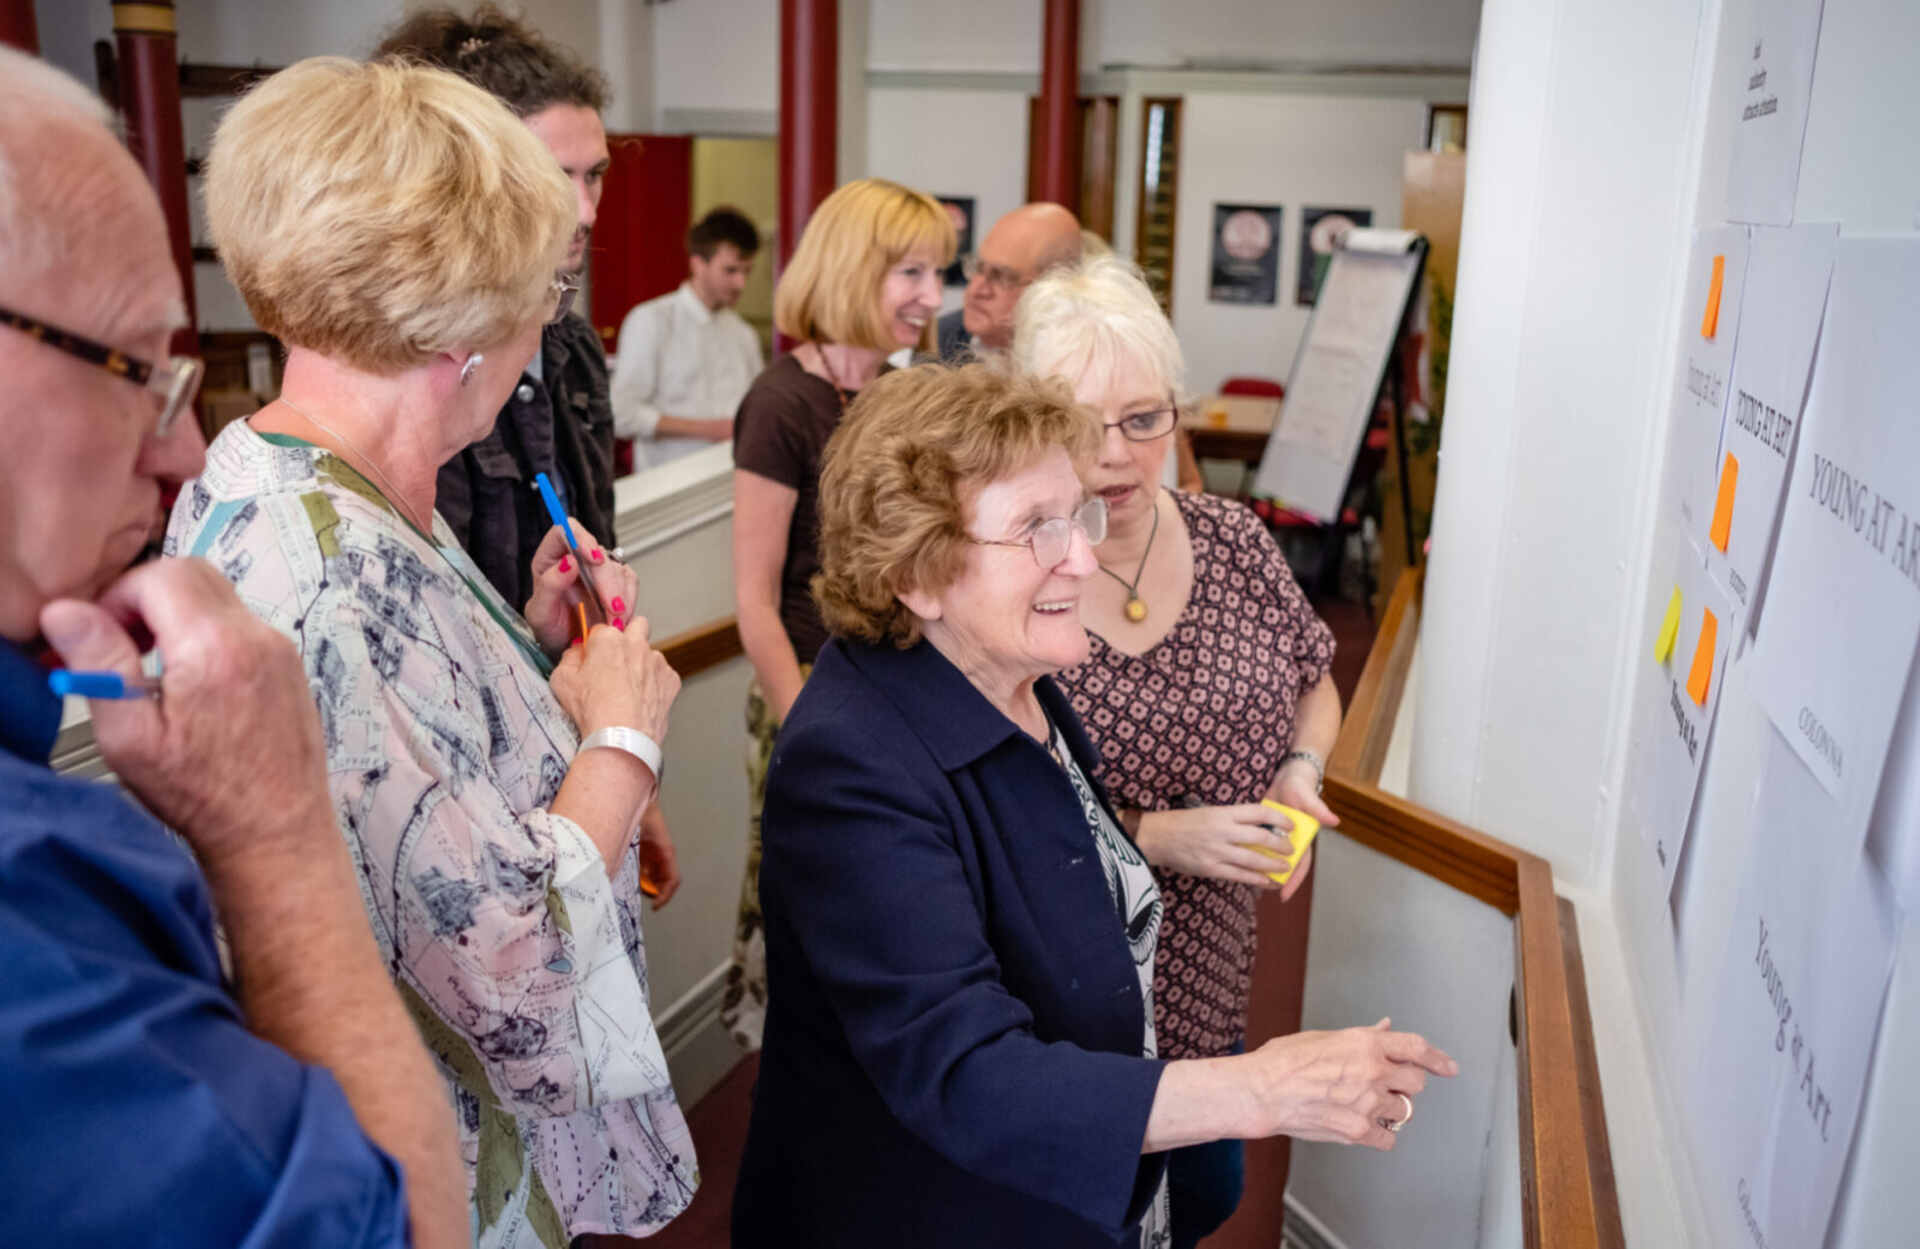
point(863, 283)
point(1206, 685)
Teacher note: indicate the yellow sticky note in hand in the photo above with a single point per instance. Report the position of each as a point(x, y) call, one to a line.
point(1305, 829)
point(1669, 630)
point(1701, 674)
point(1710, 323)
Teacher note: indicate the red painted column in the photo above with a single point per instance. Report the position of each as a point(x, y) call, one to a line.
point(1060, 105)
point(809, 112)
point(17, 26)
point(149, 75)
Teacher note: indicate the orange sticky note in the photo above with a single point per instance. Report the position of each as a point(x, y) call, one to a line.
point(1701, 674)
point(1710, 323)
point(1723, 504)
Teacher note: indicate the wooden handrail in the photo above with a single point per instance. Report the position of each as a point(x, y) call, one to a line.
point(702, 647)
point(1568, 1200)
point(1361, 748)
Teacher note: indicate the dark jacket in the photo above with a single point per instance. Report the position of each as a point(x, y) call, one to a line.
point(955, 344)
point(561, 426)
point(954, 1021)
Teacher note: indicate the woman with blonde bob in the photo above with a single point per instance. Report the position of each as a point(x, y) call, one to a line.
point(863, 283)
point(399, 230)
point(960, 1044)
point(1206, 686)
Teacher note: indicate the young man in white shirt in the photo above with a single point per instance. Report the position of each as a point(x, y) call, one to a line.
point(686, 359)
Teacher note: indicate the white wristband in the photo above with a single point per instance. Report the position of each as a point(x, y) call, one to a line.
point(633, 741)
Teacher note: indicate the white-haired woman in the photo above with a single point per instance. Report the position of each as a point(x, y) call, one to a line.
point(1206, 686)
point(399, 230)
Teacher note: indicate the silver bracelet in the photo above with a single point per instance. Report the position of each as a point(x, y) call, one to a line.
point(633, 741)
point(1319, 766)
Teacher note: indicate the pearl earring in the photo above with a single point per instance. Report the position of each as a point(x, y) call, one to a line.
point(471, 367)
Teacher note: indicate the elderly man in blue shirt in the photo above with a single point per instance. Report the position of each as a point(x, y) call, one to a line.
point(148, 1102)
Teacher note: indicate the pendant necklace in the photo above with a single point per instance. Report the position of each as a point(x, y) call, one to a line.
point(1136, 608)
point(833, 378)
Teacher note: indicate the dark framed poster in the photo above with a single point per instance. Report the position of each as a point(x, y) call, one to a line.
point(1245, 267)
point(960, 209)
point(1321, 231)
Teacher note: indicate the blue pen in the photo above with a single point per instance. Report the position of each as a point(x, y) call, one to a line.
point(559, 515)
point(64, 681)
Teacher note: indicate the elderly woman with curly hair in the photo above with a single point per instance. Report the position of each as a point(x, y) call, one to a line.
point(400, 231)
point(960, 1045)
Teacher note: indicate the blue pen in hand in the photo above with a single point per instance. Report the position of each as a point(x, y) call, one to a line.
point(559, 515)
point(102, 685)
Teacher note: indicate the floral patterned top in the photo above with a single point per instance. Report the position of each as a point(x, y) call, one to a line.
point(1206, 713)
point(518, 954)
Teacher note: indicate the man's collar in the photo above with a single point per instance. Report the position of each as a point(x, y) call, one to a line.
point(695, 304)
point(29, 711)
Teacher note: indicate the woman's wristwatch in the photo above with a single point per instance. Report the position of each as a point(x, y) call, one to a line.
point(633, 741)
point(1319, 766)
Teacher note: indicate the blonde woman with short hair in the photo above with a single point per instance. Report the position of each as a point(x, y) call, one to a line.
point(400, 231)
point(863, 283)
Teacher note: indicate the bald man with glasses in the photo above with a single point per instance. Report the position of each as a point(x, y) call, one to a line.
point(1021, 246)
point(151, 1101)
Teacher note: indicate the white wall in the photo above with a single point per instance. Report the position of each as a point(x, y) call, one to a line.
point(1291, 150)
point(1573, 233)
point(716, 56)
point(1385, 940)
point(954, 142)
point(677, 526)
point(1000, 36)
point(1004, 35)
point(1580, 204)
point(1160, 32)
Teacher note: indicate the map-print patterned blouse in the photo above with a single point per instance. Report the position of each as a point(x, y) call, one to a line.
point(517, 953)
point(1206, 713)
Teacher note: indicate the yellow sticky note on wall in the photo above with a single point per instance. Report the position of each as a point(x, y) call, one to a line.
point(1669, 630)
point(1723, 504)
point(1710, 323)
point(1701, 674)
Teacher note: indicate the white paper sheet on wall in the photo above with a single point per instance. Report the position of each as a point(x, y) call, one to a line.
point(1336, 374)
point(1768, 98)
point(1687, 638)
point(1784, 297)
point(1709, 327)
point(1843, 615)
point(1776, 1066)
point(1893, 835)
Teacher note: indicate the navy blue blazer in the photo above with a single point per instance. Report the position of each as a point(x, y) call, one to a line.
point(954, 1022)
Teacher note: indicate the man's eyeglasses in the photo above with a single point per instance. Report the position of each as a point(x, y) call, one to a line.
point(1145, 426)
point(991, 274)
point(1051, 540)
point(566, 288)
point(174, 380)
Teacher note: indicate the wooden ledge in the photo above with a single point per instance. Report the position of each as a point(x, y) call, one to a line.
point(1568, 1199)
point(703, 647)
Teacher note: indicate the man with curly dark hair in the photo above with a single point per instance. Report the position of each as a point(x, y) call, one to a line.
point(559, 420)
